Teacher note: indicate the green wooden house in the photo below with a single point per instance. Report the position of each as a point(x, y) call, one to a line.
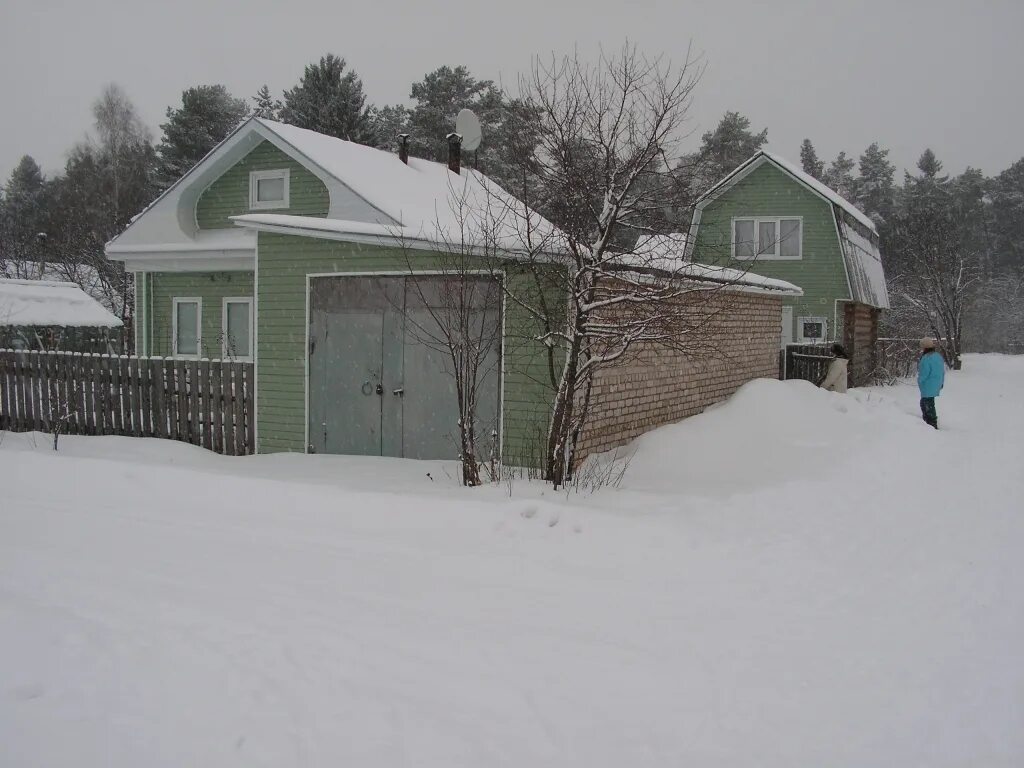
point(770, 215)
point(315, 260)
point(295, 250)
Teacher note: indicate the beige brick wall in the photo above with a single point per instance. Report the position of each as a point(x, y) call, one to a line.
point(657, 385)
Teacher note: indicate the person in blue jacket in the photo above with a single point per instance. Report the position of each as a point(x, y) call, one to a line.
point(931, 374)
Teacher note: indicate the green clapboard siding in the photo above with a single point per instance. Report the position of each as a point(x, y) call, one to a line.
point(229, 195)
point(211, 287)
point(770, 192)
point(283, 263)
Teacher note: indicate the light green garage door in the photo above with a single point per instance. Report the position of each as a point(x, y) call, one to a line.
point(381, 377)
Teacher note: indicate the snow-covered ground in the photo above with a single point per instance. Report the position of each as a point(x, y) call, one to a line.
point(794, 578)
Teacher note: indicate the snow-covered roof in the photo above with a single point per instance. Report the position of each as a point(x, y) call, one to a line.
point(421, 200)
point(44, 302)
point(666, 254)
point(864, 267)
point(366, 186)
point(763, 155)
point(660, 251)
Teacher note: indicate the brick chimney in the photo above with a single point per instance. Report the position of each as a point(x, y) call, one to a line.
point(403, 147)
point(454, 152)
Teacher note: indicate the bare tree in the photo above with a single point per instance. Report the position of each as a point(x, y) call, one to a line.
point(935, 275)
point(456, 311)
point(607, 143)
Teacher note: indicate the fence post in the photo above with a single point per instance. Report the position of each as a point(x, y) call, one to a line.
point(217, 392)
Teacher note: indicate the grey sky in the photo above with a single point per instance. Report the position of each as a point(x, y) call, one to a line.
point(908, 74)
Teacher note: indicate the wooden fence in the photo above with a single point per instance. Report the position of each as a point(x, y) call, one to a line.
point(204, 402)
point(808, 361)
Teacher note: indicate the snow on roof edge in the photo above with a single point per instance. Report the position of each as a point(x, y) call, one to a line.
point(822, 189)
point(49, 302)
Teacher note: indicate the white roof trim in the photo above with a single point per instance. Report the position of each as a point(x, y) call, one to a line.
point(760, 158)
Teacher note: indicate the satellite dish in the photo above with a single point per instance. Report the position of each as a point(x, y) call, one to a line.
point(467, 125)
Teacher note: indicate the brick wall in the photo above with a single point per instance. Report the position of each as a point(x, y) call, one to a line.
point(658, 385)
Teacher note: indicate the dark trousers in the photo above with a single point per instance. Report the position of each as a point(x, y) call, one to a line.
point(928, 412)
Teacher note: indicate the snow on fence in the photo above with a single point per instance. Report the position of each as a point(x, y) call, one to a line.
point(808, 361)
point(203, 402)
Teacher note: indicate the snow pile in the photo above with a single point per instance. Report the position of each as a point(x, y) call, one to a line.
point(43, 302)
point(794, 578)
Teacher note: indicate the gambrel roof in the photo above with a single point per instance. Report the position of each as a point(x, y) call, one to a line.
point(858, 237)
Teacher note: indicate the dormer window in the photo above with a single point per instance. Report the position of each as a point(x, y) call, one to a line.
point(268, 189)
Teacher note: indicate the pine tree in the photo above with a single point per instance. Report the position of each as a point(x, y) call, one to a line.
point(265, 105)
point(839, 176)
point(388, 122)
point(24, 218)
point(1007, 193)
point(809, 160)
point(330, 100)
point(875, 189)
point(208, 113)
point(439, 96)
point(929, 164)
point(727, 147)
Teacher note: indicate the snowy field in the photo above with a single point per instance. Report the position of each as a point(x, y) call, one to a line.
point(794, 578)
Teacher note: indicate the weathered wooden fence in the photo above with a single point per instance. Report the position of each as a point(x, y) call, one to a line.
point(204, 402)
point(808, 361)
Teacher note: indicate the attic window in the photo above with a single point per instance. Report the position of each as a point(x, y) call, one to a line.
point(268, 189)
point(779, 238)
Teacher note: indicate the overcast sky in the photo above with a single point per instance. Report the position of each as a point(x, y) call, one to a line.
point(908, 74)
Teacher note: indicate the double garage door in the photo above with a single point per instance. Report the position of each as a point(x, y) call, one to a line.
point(381, 376)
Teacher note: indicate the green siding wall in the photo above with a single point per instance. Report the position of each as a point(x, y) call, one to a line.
point(211, 287)
point(771, 192)
point(284, 261)
point(229, 195)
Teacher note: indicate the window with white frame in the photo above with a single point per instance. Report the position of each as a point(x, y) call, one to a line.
point(269, 189)
point(811, 330)
point(186, 330)
point(237, 328)
point(779, 237)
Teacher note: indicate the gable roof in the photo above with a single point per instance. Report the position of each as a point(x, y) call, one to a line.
point(421, 198)
point(44, 302)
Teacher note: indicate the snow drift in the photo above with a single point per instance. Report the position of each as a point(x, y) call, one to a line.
point(793, 579)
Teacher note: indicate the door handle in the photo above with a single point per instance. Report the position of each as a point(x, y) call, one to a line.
point(400, 391)
point(380, 389)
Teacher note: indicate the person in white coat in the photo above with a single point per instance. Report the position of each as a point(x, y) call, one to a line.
point(835, 378)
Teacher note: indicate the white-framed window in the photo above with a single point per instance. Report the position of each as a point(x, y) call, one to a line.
point(236, 328)
point(776, 237)
point(186, 326)
point(269, 189)
point(811, 330)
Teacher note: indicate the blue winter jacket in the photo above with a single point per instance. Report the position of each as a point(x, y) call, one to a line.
point(931, 373)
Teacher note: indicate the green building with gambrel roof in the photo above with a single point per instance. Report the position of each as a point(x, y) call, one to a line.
point(770, 216)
